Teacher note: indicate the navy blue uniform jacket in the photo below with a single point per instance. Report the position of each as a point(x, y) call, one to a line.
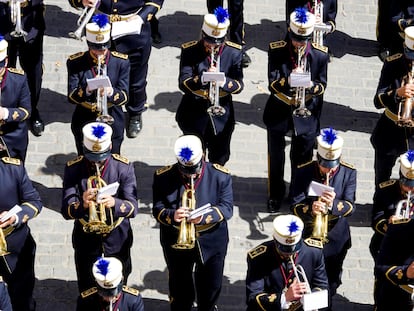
point(192, 112)
point(17, 188)
point(15, 96)
point(344, 182)
point(215, 187)
point(75, 179)
point(265, 281)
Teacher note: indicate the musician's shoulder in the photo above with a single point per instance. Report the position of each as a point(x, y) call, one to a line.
point(257, 251)
point(16, 70)
point(393, 57)
point(13, 161)
point(164, 169)
point(233, 45)
point(88, 292)
point(76, 55)
point(320, 47)
point(349, 165)
point(387, 183)
point(74, 161)
point(188, 44)
point(221, 168)
point(120, 158)
point(130, 290)
point(277, 44)
point(119, 55)
point(313, 243)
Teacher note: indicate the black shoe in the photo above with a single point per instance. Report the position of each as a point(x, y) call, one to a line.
point(37, 127)
point(134, 126)
point(383, 53)
point(273, 206)
point(246, 60)
point(156, 38)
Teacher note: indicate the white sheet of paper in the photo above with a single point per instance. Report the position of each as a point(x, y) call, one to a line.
point(206, 208)
point(110, 189)
point(15, 209)
point(98, 82)
point(316, 189)
point(300, 79)
point(213, 76)
point(315, 300)
point(131, 26)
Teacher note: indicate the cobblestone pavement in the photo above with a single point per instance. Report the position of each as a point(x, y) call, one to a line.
point(353, 75)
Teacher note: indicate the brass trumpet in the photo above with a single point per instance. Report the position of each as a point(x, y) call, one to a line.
point(214, 91)
point(16, 18)
point(3, 244)
point(82, 21)
point(97, 222)
point(402, 211)
point(186, 235)
point(320, 27)
point(102, 99)
point(405, 107)
point(320, 226)
point(300, 92)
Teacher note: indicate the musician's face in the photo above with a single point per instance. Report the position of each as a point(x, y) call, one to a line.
point(211, 47)
point(406, 188)
point(98, 53)
point(298, 44)
point(327, 170)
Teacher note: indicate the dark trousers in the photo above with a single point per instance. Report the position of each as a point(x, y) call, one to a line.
point(31, 59)
point(21, 281)
point(236, 18)
point(383, 165)
point(205, 284)
point(301, 151)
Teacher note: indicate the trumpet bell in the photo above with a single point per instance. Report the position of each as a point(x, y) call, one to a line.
point(97, 227)
point(76, 34)
point(216, 110)
point(302, 112)
point(105, 119)
point(18, 34)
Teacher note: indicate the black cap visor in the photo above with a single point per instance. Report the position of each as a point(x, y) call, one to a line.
point(190, 170)
point(212, 40)
point(328, 163)
point(299, 38)
point(288, 249)
point(99, 46)
point(109, 292)
point(406, 181)
point(96, 157)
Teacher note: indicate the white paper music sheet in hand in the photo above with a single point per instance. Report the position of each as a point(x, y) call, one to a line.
point(98, 82)
point(200, 211)
point(316, 189)
point(110, 189)
point(15, 209)
point(208, 76)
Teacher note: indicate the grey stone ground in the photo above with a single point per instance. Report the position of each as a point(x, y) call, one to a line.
point(353, 75)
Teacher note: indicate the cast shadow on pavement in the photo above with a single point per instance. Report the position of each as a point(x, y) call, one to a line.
point(59, 23)
point(55, 294)
point(54, 107)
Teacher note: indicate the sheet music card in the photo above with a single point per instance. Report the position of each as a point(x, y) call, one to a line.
point(316, 189)
point(98, 82)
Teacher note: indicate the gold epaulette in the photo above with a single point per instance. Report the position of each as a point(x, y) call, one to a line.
point(387, 183)
point(130, 290)
point(15, 70)
point(120, 158)
point(164, 169)
point(119, 55)
point(257, 251)
point(88, 292)
point(277, 44)
point(11, 160)
point(313, 243)
point(76, 160)
point(393, 57)
point(234, 45)
point(221, 168)
point(347, 164)
point(304, 164)
point(76, 55)
point(320, 47)
point(188, 44)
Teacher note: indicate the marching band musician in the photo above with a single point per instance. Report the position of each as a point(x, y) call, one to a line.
point(109, 289)
point(210, 54)
point(208, 184)
point(270, 282)
point(14, 108)
point(395, 86)
point(18, 250)
point(279, 112)
point(386, 198)
point(86, 65)
point(338, 203)
point(131, 35)
point(83, 179)
point(27, 44)
point(394, 265)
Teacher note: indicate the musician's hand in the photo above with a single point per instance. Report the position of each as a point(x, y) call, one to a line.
point(221, 84)
point(318, 207)
point(3, 112)
point(8, 222)
point(406, 91)
point(295, 291)
point(107, 200)
point(197, 220)
point(212, 68)
point(328, 197)
point(89, 196)
point(88, 3)
point(180, 214)
point(410, 271)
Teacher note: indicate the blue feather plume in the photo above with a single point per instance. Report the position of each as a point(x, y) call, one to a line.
point(221, 14)
point(1, 38)
point(102, 266)
point(186, 154)
point(410, 156)
point(98, 131)
point(301, 16)
point(329, 135)
point(293, 227)
point(101, 20)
